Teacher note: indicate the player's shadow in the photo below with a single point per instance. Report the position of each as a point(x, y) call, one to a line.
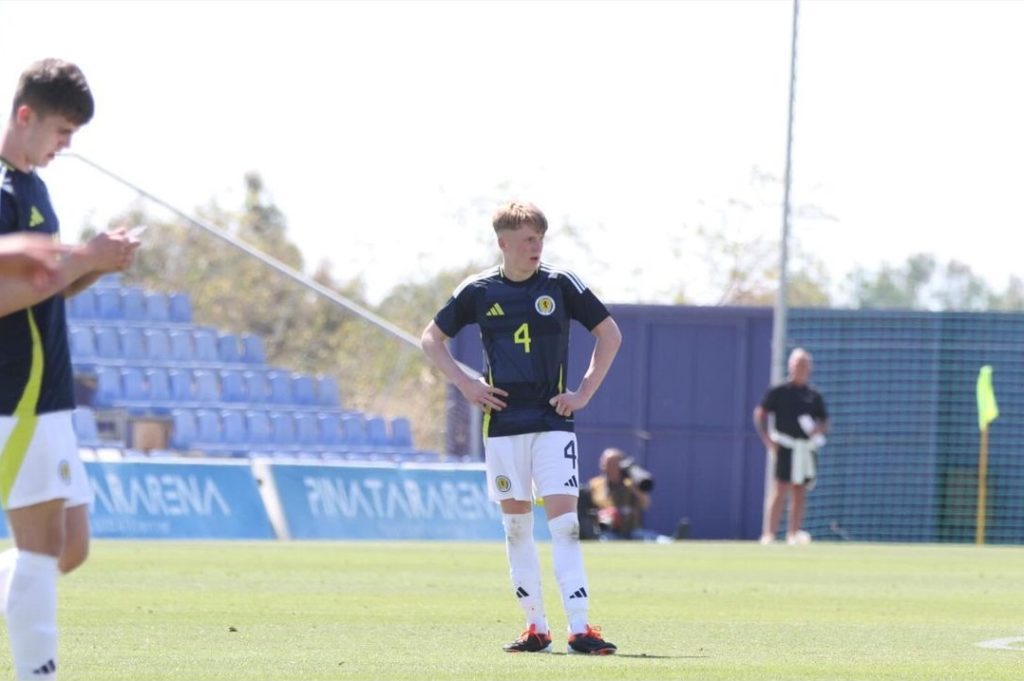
point(647, 656)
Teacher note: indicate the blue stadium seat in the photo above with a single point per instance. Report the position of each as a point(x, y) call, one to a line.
point(158, 308)
point(256, 388)
point(307, 428)
point(158, 345)
point(331, 433)
point(181, 386)
point(354, 428)
point(83, 344)
point(183, 429)
point(280, 387)
point(133, 304)
point(228, 349)
point(377, 432)
point(181, 308)
point(108, 386)
point(401, 432)
point(84, 422)
point(258, 425)
point(108, 345)
point(108, 303)
point(205, 344)
point(109, 280)
point(181, 346)
point(82, 305)
point(131, 343)
point(252, 349)
point(233, 422)
point(303, 390)
point(282, 428)
point(133, 385)
point(208, 427)
point(159, 386)
point(232, 386)
point(207, 389)
point(327, 392)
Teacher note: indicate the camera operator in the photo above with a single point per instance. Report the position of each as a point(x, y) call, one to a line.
point(619, 495)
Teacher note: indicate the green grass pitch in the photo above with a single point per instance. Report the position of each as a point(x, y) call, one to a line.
point(690, 610)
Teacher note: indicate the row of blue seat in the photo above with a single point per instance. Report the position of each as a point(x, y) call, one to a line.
point(130, 304)
point(164, 346)
point(237, 431)
point(342, 440)
point(158, 390)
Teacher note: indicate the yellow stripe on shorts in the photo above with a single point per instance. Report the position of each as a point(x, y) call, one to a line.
point(25, 418)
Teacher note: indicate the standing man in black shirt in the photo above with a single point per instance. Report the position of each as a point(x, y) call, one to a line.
point(524, 308)
point(798, 429)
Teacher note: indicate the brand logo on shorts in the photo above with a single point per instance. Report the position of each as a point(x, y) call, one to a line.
point(502, 483)
point(64, 471)
point(545, 305)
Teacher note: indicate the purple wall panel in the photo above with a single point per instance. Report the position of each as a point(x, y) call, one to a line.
point(679, 399)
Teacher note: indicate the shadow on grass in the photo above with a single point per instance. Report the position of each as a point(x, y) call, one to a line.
point(646, 656)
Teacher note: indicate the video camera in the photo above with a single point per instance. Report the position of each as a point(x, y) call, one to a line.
point(640, 476)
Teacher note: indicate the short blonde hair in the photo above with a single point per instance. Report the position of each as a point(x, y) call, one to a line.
point(514, 215)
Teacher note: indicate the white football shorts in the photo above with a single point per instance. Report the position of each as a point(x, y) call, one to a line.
point(39, 461)
point(524, 467)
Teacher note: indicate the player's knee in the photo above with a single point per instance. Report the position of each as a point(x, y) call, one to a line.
point(565, 528)
point(518, 527)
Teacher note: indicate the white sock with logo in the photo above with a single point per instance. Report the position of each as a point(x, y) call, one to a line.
point(524, 566)
point(31, 612)
point(567, 555)
point(7, 559)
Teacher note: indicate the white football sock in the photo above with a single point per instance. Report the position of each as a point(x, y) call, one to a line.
point(32, 616)
point(567, 555)
point(7, 559)
point(524, 566)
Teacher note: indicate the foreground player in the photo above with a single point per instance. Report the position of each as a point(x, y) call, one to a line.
point(43, 486)
point(524, 308)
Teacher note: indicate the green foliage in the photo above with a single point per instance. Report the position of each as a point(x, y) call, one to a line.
point(922, 283)
point(303, 611)
point(746, 271)
point(304, 332)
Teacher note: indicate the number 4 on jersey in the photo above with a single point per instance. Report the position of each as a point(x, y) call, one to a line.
point(522, 337)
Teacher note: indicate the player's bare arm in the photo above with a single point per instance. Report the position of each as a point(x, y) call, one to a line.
point(107, 252)
point(32, 257)
point(760, 424)
point(609, 338)
point(475, 390)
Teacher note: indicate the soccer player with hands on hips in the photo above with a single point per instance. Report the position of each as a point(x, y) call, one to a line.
point(43, 486)
point(523, 308)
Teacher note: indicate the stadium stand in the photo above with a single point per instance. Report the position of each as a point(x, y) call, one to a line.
point(210, 392)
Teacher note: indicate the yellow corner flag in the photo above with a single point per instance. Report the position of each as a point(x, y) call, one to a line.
point(988, 410)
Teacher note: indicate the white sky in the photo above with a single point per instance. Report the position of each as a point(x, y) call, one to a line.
point(385, 131)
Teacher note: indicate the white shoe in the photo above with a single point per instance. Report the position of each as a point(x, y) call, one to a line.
point(766, 539)
point(799, 538)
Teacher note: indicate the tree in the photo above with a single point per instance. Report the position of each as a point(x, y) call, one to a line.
point(921, 283)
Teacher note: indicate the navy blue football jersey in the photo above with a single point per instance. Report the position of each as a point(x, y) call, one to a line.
point(524, 327)
point(35, 361)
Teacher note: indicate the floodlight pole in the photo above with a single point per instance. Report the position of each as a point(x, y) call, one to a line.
point(781, 297)
point(781, 311)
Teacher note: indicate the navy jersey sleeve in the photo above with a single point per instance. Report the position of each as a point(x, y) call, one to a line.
point(459, 311)
point(770, 400)
point(8, 206)
point(582, 304)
